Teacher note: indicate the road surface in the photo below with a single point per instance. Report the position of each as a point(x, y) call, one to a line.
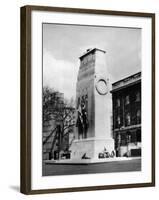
point(70, 169)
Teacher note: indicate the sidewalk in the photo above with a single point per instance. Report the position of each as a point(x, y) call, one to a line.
point(90, 161)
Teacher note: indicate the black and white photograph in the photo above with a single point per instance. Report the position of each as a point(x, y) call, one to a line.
point(91, 99)
point(88, 99)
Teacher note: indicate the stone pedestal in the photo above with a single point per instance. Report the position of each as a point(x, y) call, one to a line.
point(90, 148)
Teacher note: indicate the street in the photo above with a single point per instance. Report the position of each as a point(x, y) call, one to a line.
point(70, 169)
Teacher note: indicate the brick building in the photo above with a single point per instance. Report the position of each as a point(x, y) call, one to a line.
point(126, 97)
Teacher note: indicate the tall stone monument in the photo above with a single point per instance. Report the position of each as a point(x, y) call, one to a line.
point(93, 104)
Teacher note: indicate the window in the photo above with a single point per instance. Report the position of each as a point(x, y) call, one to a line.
point(133, 137)
point(128, 120)
point(118, 120)
point(127, 100)
point(128, 137)
point(137, 96)
point(123, 140)
point(138, 135)
point(118, 103)
point(138, 116)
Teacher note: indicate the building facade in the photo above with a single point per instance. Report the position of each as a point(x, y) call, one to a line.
point(126, 98)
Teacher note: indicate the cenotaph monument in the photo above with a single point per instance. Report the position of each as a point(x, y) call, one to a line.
point(93, 132)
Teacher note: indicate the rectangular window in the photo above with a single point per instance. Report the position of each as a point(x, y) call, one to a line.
point(138, 97)
point(127, 100)
point(128, 119)
point(118, 103)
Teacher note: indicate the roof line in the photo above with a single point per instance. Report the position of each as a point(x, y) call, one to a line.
point(125, 78)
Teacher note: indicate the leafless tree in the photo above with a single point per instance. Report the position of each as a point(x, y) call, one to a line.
point(61, 112)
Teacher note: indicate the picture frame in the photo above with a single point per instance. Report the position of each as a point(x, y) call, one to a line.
point(33, 17)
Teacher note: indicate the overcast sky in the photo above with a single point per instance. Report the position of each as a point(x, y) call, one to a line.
point(63, 44)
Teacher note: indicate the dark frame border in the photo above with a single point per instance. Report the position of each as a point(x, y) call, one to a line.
point(25, 95)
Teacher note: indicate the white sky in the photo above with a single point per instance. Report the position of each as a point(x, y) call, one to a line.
point(63, 44)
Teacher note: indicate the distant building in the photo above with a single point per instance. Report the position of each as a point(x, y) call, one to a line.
point(126, 97)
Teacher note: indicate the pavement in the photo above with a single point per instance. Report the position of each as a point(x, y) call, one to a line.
point(127, 165)
point(89, 161)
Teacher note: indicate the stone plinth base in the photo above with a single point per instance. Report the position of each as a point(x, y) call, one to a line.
point(90, 148)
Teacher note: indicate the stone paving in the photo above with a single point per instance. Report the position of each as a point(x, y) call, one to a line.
point(105, 167)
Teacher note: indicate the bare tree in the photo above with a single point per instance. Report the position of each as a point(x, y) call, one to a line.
point(61, 113)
